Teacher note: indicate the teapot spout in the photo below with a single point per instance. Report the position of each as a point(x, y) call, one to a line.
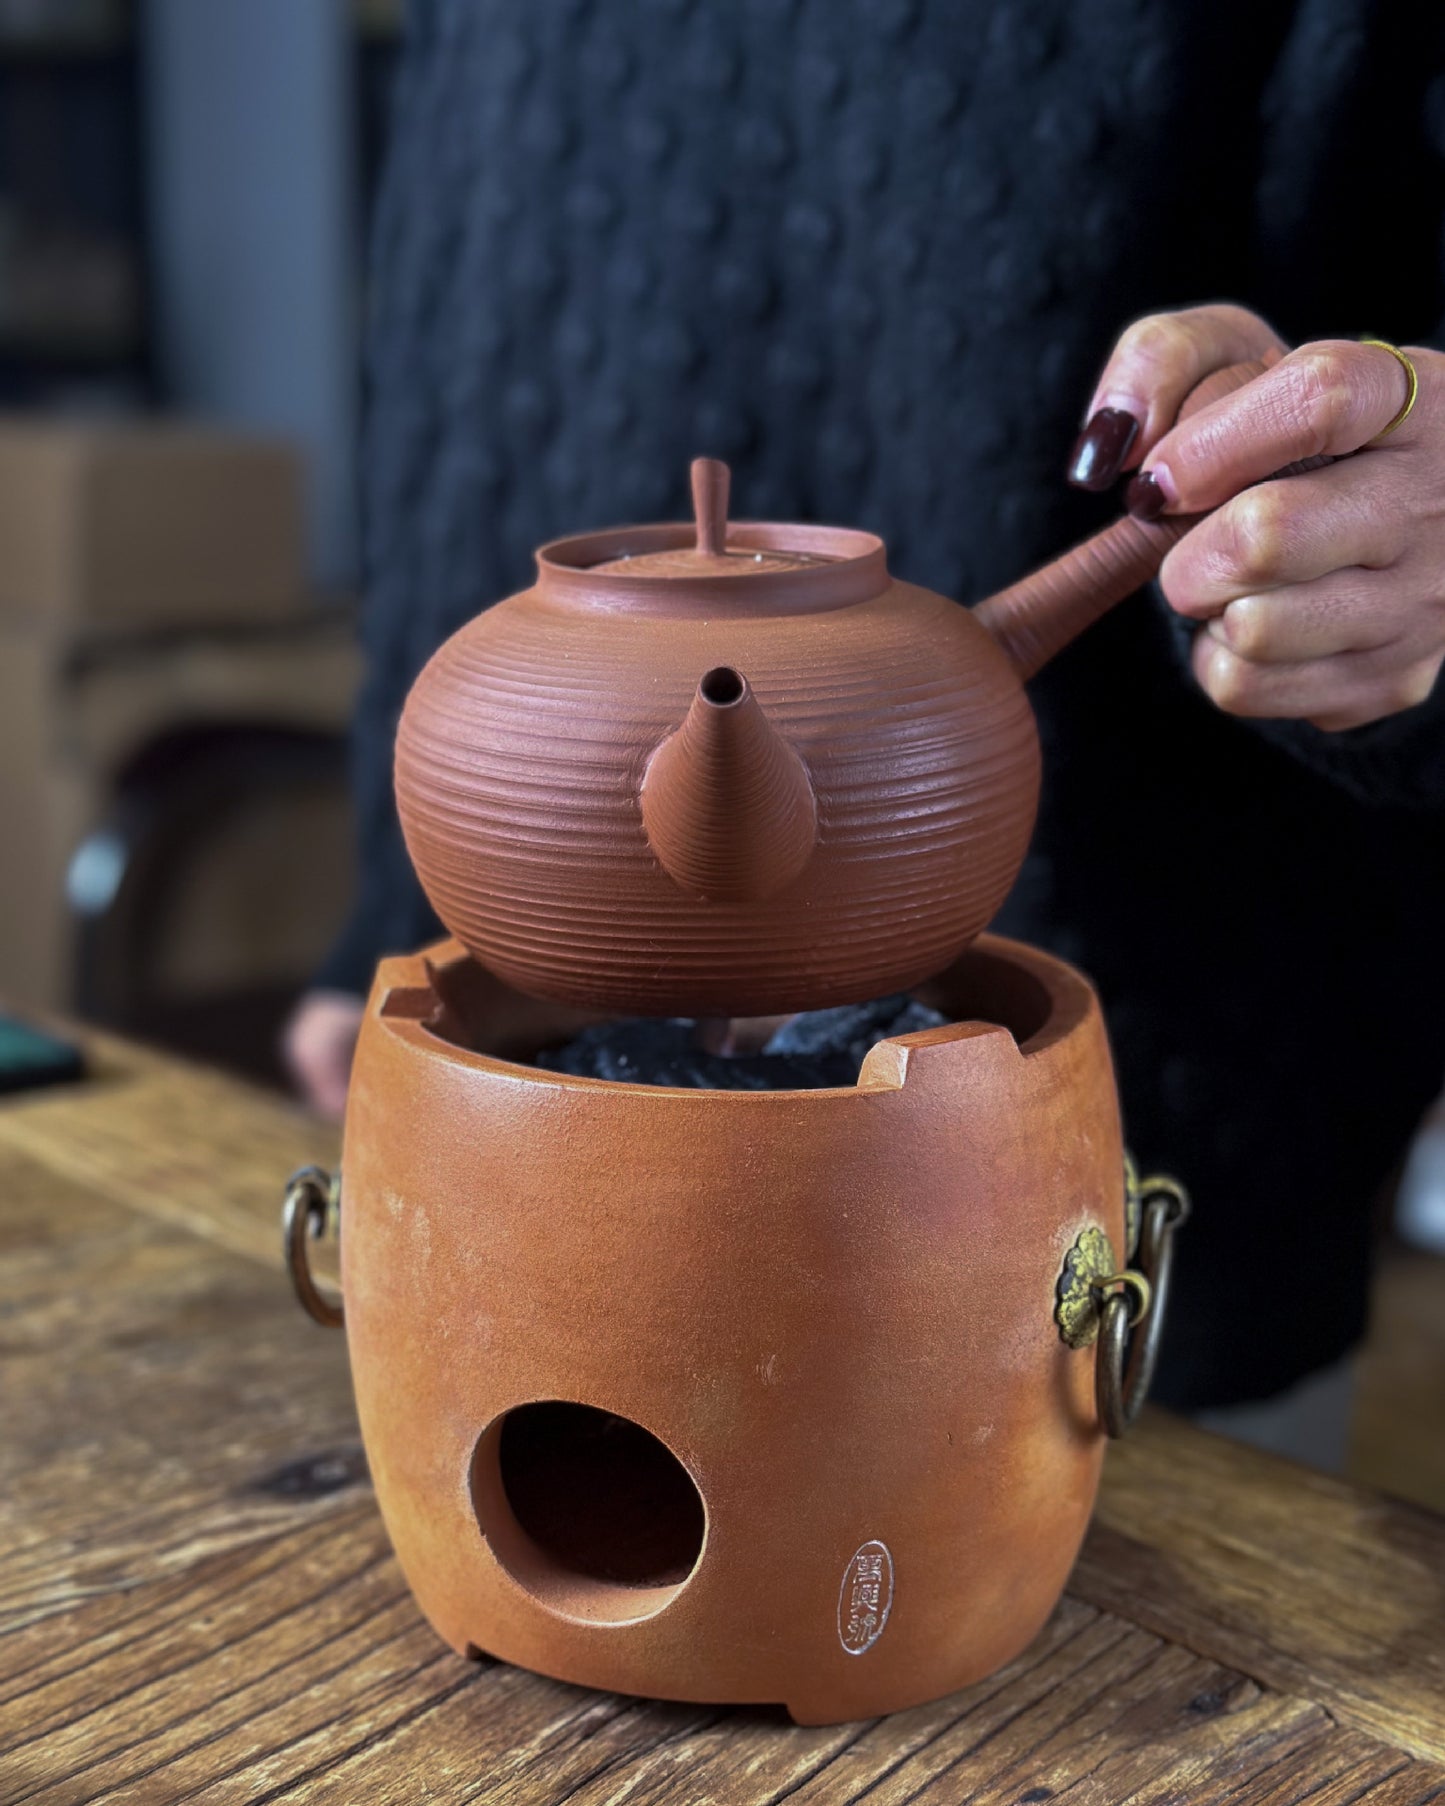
point(727, 803)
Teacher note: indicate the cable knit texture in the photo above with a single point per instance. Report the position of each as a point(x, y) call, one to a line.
point(872, 252)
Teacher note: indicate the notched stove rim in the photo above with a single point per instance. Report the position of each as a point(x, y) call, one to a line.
point(1036, 998)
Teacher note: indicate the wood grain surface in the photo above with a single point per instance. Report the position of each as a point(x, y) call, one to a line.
point(198, 1602)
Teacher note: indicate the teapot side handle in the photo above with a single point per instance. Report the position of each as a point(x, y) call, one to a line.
point(1041, 613)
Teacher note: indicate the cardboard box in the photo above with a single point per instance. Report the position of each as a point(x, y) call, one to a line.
point(75, 714)
point(146, 524)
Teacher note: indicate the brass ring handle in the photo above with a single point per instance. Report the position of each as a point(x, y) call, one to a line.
point(1125, 1362)
point(313, 1201)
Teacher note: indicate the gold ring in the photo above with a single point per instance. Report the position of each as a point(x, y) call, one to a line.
point(1412, 380)
point(1129, 1281)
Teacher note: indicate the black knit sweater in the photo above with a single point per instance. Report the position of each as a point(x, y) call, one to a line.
point(873, 252)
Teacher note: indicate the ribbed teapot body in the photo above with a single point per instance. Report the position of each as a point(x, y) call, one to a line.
point(523, 758)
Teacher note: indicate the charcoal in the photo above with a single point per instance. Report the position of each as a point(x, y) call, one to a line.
point(819, 1048)
point(852, 1028)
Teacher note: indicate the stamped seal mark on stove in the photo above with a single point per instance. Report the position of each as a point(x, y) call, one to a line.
point(865, 1598)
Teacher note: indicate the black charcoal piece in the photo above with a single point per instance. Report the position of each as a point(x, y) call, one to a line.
point(819, 1048)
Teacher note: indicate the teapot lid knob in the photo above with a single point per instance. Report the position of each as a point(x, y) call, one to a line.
point(711, 480)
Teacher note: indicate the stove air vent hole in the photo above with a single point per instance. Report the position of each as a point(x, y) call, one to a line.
point(587, 1510)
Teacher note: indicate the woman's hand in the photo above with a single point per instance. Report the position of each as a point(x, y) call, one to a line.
point(318, 1045)
point(1322, 595)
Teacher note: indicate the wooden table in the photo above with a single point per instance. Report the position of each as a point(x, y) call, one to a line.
point(198, 1603)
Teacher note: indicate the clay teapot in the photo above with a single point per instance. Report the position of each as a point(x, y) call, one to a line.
point(736, 768)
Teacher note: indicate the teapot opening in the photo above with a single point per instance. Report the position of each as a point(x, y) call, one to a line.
point(721, 686)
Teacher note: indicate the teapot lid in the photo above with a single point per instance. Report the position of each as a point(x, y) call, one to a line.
point(713, 561)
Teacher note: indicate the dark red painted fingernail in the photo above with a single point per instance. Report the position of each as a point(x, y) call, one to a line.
point(1100, 450)
point(1144, 499)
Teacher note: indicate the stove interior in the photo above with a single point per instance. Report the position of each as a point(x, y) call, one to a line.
point(587, 1510)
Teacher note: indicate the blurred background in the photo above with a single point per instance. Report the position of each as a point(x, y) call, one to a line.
point(185, 190)
point(185, 195)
